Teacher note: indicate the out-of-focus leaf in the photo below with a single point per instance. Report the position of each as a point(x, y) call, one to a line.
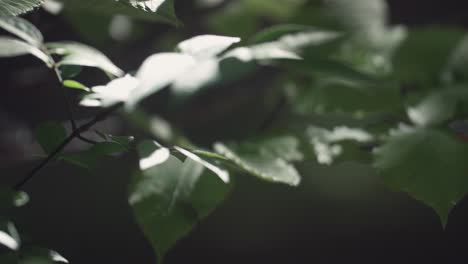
point(17, 7)
point(116, 91)
point(155, 10)
point(458, 62)
point(9, 236)
point(438, 107)
point(10, 198)
point(221, 173)
point(50, 135)
point(412, 62)
point(82, 55)
point(10, 47)
point(89, 159)
point(427, 164)
point(170, 198)
point(69, 71)
point(263, 162)
point(206, 46)
point(23, 29)
point(329, 145)
point(152, 154)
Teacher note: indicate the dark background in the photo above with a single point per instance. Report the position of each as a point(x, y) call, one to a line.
point(340, 214)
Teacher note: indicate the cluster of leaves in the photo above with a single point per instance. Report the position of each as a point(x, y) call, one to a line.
point(372, 95)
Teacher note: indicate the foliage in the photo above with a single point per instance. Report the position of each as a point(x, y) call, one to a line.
point(355, 88)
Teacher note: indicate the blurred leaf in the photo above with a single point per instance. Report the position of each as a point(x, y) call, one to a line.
point(329, 145)
point(69, 71)
point(169, 199)
point(10, 198)
point(438, 107)
point(82, 55)
point(206, 46)
point(421, 59)
point(10, 47)
point(23, 29)
point(89, 159)
point(116, 91)
point(17, 7)
point(458, 61)
point(152, 154)
point(262, 161)
point(427, 164)
point(50, 135)
point(9, 236)
point(221, 173)
point(75, 85)
point(155, 10)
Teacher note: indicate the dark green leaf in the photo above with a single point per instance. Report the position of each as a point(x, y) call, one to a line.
point(89, 159)
point(429, 165)
point(169, 199)
point(50, 135)
point(263, 161)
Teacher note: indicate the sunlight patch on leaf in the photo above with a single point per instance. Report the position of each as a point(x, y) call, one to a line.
point(82, 55)
point(116, 91)
point(152, 154)
point(10, 47)
point(23, 29)
point(206, 46)
point(17, 7)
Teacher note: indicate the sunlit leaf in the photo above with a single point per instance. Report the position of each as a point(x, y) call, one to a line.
point(82, 55)
point(116, 91)
point(263, 162)
point(155, 10)
point(206, 46)
point(10, 47)
point(23, 29)
point(17, 7)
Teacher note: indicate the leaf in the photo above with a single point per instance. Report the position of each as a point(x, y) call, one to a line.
point(10, 47)
point(456, 67)
point(89, 159)
point(17, 7)
point(10, 198)
point(154, 10)
point(82, 55)
point(152, 154)
point(116, 91)
point(427, 164)
point(329, 145)
point(50, 135)
point(157, 72)
point(221, 173)
point(75, 85)
point(261, 161)
point(206, 46)
point(169, 199)
point(23, 29)
point(9, 237)
point(438, 107)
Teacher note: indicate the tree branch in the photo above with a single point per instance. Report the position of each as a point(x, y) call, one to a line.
point(75, 134)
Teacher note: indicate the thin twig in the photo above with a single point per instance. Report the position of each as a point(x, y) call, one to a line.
point(75, 134)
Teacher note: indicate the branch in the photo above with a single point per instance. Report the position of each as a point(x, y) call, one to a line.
point(75, 134)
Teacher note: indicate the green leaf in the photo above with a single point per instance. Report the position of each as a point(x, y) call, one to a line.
point(17, 7)
point(438, 107)
point(11, 47)
point(456, 67)
point(23, 29)
point(116, 91)
point(169, 199)
point(206, 46)
point(262, 160)
point(50, 135)
point(427, 164)
point(89, 159)
point(75, 85)
point(155, 10)
point(411, 61)
point(221, 173)
point(9, 236)
point(82, 55)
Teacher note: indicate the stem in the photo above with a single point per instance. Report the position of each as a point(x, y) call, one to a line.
point(75, 134)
